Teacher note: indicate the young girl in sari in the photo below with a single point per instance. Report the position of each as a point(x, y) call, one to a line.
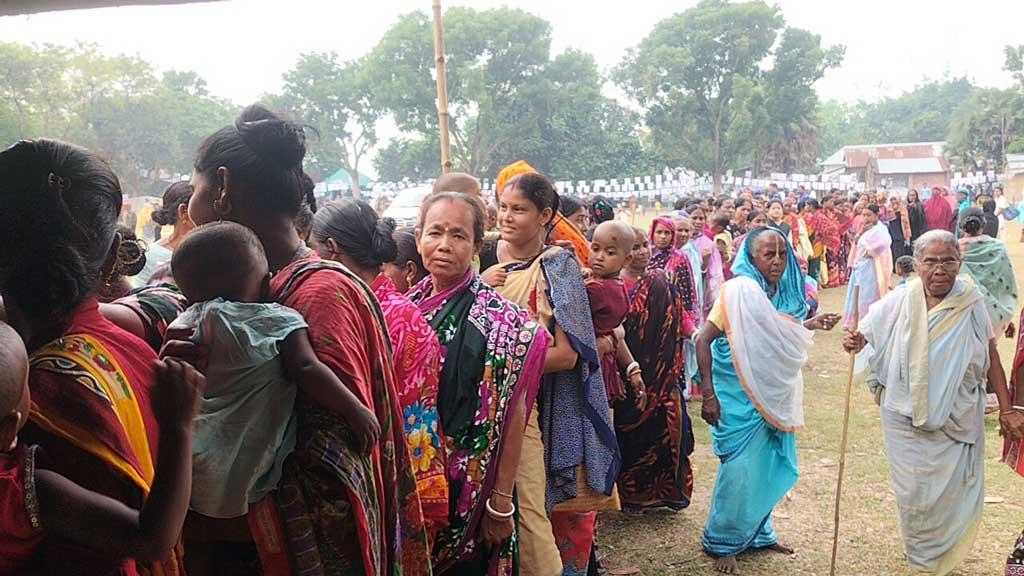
point(870, 263)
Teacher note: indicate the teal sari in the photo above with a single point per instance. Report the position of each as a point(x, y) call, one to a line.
point(758, 460)
point(985, 259)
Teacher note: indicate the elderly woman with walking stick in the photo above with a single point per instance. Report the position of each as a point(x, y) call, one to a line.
point(926, 351)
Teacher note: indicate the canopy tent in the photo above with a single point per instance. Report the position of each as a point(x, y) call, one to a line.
point(340, 180)
point(15, 7)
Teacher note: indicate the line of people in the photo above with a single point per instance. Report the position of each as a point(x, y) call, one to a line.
point(303, 391)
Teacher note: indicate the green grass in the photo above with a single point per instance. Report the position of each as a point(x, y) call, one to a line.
point(869, 541)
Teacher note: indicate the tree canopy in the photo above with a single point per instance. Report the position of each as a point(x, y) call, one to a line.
point(710, 102)
point(146, 125)
point(335, 99)
point(508, 99)
point(723, 85)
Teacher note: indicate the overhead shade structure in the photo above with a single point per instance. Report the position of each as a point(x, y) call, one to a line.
point(16, 7)
point(340, 180)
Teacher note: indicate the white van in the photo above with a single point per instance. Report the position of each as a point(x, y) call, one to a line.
point(405, 208)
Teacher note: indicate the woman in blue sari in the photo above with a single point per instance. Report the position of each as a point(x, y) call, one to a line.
point(757, 320)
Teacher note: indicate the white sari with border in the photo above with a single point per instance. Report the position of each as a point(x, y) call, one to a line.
point(928, 370)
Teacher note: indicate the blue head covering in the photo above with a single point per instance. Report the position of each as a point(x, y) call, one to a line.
point(791, 292)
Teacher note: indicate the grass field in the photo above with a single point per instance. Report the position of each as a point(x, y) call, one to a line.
point(669, 543)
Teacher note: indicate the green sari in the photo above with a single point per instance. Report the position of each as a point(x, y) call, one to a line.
point(985, 259)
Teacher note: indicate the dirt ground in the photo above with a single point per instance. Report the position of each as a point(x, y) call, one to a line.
point(662, 542)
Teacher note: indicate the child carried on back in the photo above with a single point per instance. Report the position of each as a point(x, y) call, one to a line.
point(610, 252)
point(39, 503)
point(257, 353)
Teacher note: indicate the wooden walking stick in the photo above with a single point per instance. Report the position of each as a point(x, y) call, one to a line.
point(846, 428)
point(442, 90)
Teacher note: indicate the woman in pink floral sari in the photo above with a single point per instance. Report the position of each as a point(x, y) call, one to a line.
point(350, 232)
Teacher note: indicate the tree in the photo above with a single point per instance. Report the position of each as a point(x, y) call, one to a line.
point(1014, 62)
point(685, 73)
point(492, 56)
point(147, 126)
point(789, 139)
point(334, 97)
point(412, 158)
point(983, 129)
point(30, 85)
point(580, 133)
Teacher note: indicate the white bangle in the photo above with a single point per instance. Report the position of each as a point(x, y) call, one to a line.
point(501, 515)
point(635, 366)
point(1016, 407)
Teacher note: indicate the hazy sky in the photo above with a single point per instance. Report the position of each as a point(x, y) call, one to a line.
point(241, 47)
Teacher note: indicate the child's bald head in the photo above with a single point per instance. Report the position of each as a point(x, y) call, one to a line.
point(611, 249)
point(14, 399)
point(618, 232)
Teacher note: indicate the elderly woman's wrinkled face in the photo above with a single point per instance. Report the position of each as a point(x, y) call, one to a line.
point(938, 266)
point(684, 229)
point(768, 252)
point(447, 242)
point(641, 252)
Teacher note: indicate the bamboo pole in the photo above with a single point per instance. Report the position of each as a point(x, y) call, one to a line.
point(846, 429)
point(442, 90)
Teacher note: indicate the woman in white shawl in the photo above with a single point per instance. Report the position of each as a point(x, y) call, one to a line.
point(751, 353)
point(927, 351)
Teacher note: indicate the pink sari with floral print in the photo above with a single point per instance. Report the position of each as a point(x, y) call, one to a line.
point(417, 360)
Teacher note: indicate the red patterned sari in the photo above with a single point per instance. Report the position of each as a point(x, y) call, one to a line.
point(92, 416)
point(343, 513)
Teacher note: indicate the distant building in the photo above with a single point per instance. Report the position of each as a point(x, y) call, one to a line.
point(893, 166)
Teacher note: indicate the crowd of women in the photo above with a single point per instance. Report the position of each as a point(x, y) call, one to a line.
point(290, 390)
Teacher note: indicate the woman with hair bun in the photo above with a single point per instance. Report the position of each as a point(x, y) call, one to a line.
point(985, 259)
point(174, 212)
point(351, 233)
point(407, 269)
point(336, 509)
point(131, 261)
point(95, 410)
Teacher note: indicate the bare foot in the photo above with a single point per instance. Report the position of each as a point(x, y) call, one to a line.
point(781, 548)
point(726, 565)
